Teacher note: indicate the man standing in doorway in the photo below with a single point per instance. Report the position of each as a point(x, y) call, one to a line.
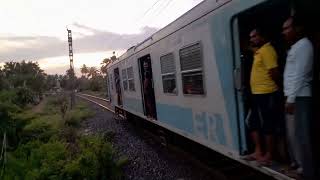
point(297, 89)
point(264, 89)
point(148, 91)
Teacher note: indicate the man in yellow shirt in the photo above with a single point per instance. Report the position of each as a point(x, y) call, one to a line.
point(264, 89)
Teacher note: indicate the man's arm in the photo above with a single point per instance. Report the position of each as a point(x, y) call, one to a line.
point(275, 75)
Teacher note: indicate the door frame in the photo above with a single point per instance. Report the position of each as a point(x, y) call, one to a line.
point(238, 84)
point(118, 86)
point(141, 73)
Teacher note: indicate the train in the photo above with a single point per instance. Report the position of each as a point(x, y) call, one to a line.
point(189, 76)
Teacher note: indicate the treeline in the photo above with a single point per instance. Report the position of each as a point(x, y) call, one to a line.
point(21, 84)
point(25, 80)
point(46, 141)
point(92, 78)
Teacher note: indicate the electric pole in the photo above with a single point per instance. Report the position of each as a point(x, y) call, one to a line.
point(72, 75)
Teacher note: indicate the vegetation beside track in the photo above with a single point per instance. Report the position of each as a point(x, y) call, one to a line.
point(49, 144)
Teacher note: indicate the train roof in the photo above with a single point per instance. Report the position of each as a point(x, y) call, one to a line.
point(190, 16)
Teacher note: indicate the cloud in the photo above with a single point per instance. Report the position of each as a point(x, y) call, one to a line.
point(16, 48)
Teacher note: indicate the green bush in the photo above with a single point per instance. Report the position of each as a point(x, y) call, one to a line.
point(51, 148)
point(7, 96)
point(7, 122)
point(75, 116)
point(24, 96)
point(37, 129)
point(95, 161)
point(20, 96)
point(36, 160)
point(69, 134)
point(52, 160)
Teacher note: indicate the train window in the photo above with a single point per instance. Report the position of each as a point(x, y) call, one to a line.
point(130, 79)
point(111, 81)
point(124, 79)
point(168, 71)
point(191, 69)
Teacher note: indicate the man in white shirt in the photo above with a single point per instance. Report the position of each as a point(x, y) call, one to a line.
point(297, 89)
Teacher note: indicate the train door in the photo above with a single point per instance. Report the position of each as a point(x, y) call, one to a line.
point(117, 86)
point(108, 91)
point(268, 16)
point(111, 88)
point(147, 87)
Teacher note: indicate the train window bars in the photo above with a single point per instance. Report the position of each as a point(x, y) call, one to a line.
point(168, 73)
point(130, 79)
point(191, 69)
point(124, 79)
point(111, 81)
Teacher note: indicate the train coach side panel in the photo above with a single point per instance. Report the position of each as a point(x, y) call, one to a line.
point(210, 119)
point(132, 99)
point(203, 118)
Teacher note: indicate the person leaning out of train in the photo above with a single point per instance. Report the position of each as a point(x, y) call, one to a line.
point(298, 76)
point(264, 89)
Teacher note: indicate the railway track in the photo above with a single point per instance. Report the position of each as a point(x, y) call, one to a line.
point(219, 166)
point(104, 103)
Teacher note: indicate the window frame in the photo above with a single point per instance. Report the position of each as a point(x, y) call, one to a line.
point(131, 79)
point(166, 74)
point(125, 79)
point(111, 81)
point(194, 70)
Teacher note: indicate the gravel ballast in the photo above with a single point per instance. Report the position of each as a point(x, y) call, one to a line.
point(147, 159)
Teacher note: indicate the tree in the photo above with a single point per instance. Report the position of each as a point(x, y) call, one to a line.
point(93, 71)
point(66, 81)
point(84, 70)
point(24, 74)
point(2, 79)
point(96, 82)
point(105, 63)
point(63, 81)
point(51, 81)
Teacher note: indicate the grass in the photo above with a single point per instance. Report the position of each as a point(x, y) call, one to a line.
point(51, 147)
point(75, 116)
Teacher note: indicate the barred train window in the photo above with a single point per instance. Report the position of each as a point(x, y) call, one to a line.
point(168, 70)
point(124, 79)
point(111, 81)
point(191, 69)
point(130, 79)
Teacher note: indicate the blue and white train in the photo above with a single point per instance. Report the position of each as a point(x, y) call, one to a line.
point(188, 76)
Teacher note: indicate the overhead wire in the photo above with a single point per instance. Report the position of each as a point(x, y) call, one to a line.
point(140, 18)
point(151, 15)
point(146, 12)
point(163, 8)
point(157, 12)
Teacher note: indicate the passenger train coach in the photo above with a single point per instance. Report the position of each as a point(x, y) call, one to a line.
point(188, 77)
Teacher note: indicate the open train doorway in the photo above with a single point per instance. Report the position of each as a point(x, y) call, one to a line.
point(118, 86)
point(147, 87)
point(269, 18)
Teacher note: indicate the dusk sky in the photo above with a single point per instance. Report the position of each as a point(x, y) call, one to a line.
point(36, 29)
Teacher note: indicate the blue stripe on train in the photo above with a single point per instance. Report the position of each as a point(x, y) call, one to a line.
point(176, 116)
point(208, 126)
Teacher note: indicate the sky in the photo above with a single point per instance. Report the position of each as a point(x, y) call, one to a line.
point(35, 30)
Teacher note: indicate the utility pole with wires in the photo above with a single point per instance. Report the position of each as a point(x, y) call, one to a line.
point(71, 70)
